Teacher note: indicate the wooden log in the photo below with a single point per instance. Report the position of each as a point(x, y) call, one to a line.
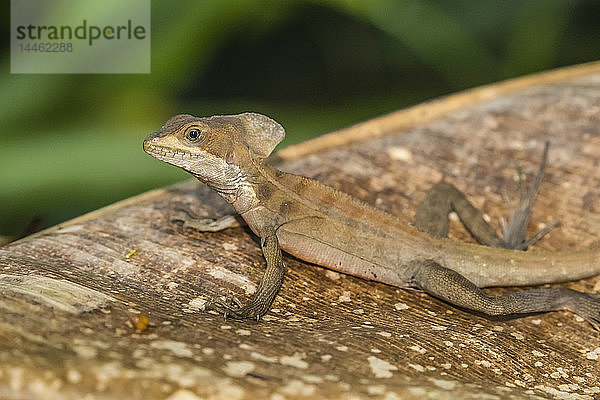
point(68, 294)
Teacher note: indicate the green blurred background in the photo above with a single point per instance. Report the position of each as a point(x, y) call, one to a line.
point(72, 143)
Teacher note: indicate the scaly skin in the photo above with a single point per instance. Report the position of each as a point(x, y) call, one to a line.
point(327, 227)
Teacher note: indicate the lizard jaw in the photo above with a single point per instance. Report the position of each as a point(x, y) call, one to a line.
point(167, 154)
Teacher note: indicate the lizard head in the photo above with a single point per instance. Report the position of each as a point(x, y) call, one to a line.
point(215, 149)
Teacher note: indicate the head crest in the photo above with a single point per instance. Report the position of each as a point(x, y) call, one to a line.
point(262, 133)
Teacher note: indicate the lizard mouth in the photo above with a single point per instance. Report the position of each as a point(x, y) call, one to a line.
point(166, 153)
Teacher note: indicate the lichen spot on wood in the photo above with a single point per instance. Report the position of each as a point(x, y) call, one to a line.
point(58, 294)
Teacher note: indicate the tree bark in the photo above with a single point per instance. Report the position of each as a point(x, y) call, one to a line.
point(68, 294)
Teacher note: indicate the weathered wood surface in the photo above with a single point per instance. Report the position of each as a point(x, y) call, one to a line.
point(68, 293)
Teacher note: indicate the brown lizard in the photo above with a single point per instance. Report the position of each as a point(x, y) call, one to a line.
point(321, 225)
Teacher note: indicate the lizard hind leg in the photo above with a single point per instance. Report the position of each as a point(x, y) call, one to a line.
point(449, 285)
point(443, 198)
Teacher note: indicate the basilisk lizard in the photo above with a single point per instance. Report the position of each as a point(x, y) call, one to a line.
point(321, 225)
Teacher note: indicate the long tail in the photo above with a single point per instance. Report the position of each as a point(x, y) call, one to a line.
point(487, 266)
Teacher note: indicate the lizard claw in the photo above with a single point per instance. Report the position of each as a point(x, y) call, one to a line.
point(514, 235)
point(538, 236)
point(191, 220)
point(235, 310)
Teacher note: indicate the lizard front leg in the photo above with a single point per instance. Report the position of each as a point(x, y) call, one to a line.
point(454, 288)
point(267, 289)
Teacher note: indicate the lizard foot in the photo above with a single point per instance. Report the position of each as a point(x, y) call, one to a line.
point(212, 224)
point(183, 214)
point(203, 224)
point(537, 237)
point(515, 230)
point(586, 305)
point(235, 310)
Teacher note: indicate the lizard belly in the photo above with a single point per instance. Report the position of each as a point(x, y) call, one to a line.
point(343, 253)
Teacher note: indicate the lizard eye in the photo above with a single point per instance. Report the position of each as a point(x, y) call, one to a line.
point(193, 135)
